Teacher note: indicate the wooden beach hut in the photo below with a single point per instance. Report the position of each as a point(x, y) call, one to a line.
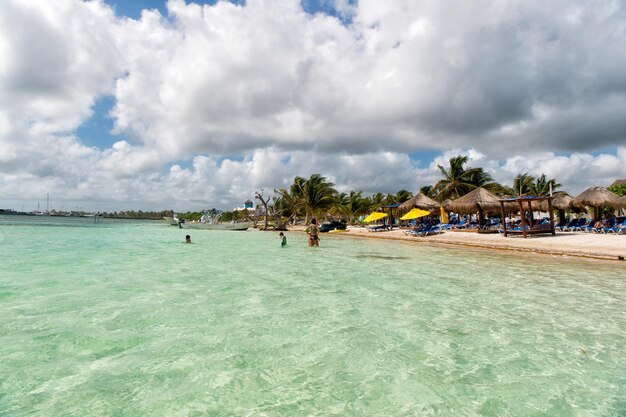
point(526, 205)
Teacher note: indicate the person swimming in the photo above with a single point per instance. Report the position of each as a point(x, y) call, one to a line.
point(187, 239)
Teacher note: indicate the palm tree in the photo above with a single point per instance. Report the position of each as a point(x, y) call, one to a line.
point(428, 191)
point(376, 201)
point(542, 185)
point(458, 181)
point(523, 184)
point(352, 205)
point(292, 199)
point(317, 195)
point(311, 197)
point(402, 196)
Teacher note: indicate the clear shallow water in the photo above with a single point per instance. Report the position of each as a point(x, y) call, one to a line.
point(123, 319)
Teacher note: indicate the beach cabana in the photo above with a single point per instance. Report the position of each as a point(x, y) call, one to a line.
point(478, 201)
point(420, 201)
point(597, 197)
point(528, 204)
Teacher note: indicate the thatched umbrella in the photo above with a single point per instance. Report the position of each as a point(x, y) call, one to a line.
point(562, 202)
point(478, 200)
point(597, 197)
point(446, 204)
point(421, 201)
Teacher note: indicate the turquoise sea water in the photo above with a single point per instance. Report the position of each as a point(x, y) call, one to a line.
point(123, 319)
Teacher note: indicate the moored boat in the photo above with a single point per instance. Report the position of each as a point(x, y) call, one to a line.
point(172, 221)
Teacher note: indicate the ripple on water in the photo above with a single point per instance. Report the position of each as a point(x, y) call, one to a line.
point(123, 319)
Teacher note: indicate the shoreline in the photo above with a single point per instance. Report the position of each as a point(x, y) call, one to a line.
point(588, 246)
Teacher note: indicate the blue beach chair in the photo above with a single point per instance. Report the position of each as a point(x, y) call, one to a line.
point(617, 228)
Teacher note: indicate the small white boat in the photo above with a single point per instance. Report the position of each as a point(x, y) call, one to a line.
point(172, 221)
point(209, 221)
point(216, 226)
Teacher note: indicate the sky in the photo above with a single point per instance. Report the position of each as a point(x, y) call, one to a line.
point(187, 105)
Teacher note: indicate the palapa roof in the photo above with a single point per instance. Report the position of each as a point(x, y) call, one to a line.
point(446, 204)
point(618, 182)
point(422, 201)
point(560, 201)
point(597, 197)
point(476, 200)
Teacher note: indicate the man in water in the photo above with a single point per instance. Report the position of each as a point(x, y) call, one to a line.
point(187, 239)
point(283, 239)
point(313, 232)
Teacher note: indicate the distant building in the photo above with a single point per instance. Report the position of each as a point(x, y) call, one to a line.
point(247, 205)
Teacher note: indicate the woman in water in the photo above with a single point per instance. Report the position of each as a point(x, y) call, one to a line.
point(313, 232)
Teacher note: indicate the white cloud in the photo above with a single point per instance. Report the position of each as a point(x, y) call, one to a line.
point(254, 95)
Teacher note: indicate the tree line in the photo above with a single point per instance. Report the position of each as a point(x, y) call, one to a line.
point(317, 197)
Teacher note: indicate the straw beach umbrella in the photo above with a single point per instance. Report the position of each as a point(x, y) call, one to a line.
point(597, 197)
point(561, 201)
point(446, 204)
point(421, 201)
point(478, 200)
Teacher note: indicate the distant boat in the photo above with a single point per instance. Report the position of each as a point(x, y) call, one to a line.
point(173, 221)
point(209, 222)
point(216, 226)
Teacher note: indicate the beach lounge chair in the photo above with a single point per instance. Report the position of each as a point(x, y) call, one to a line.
point(461, 225)
point(617, 228)
point(585, 227)
point(577, 223)
point(378, 228)
point(561, 225)
point(421, 231)
point(435, 230)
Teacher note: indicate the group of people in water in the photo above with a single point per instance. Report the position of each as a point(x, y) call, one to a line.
point(312, 230)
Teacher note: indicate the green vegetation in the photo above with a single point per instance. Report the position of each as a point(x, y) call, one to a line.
point(317, 197)
point(620, 189)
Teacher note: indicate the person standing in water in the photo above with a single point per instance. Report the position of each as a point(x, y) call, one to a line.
point(187, 239)
point(313, 231)
point(283, 239)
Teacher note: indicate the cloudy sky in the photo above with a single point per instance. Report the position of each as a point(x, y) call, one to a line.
point(152, 105)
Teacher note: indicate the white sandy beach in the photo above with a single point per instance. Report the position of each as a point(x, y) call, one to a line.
point(579, 244)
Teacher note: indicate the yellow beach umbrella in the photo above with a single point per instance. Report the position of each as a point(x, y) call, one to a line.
point(414, 214)
point(375, 216)
point(444, 215)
